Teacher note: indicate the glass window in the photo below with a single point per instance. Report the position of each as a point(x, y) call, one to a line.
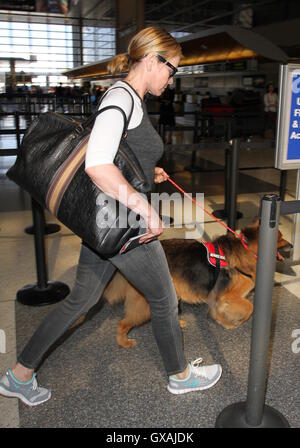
point(56, 46)
point(98, 43)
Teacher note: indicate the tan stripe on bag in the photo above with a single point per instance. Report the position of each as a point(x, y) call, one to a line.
point(64, 176)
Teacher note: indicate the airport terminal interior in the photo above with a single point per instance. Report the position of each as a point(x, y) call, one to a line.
point(53, 57)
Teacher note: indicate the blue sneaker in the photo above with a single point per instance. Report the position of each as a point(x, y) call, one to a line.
point(199, 378)
point(29, 392)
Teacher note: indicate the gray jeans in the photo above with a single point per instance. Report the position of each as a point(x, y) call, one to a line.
point(147, 269)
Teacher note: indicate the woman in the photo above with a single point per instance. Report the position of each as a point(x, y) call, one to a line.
point(270, 107)
point(153, 56)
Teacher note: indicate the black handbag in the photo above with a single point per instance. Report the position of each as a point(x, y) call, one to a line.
point(50, 167)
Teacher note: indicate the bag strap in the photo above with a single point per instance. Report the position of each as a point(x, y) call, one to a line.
point(91, 119)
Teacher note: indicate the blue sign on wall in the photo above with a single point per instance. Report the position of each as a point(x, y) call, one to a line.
point(288, 124)
point(293, 150)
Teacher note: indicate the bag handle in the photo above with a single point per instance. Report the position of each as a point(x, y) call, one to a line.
point(91, 119)
point(87, 122)
point(118, 87)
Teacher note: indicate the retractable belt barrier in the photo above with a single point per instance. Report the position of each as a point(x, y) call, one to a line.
point(254, 413)
point(44, 292)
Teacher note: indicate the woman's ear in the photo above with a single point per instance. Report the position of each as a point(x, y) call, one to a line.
point(150, 61)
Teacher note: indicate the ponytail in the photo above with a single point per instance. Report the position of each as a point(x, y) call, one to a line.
point(152, 39)
point(120, 63)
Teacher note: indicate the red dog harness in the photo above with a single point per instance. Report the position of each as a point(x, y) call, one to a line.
point(215, 255)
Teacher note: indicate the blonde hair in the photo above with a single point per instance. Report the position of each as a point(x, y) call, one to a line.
point(152, 39)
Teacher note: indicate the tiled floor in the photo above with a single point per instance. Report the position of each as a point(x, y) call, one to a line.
point(17, 259)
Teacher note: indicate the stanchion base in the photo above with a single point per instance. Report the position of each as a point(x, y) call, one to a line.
point(234, 416)
point(222, 214)
point(32, 295)
point(49, 228)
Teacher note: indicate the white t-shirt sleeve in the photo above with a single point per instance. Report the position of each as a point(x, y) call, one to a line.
point(108, 128)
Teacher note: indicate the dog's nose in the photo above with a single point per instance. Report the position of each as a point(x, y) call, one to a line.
point(287, 247)
point(285, 251)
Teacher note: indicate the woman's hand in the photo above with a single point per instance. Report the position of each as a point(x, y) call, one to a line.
point(109, 179)
point(160, 175)
point(154, 226)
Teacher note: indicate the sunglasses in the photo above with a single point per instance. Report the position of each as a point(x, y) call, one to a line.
point(164, 61)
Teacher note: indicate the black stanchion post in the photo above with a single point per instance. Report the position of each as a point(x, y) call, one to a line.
point(193, 167)
point(227, 179)
point(227, 167)
point(17, 125)
point(254, 413)
point(27, 113)
point(39, 245)
point(282, 188)
point(44, 292)
point(231, 185)
point(196, 123)
point(223, 214)
point(234, 173)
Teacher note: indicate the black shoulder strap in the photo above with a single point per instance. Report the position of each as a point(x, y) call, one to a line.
point(132, 103)
point(91, 119)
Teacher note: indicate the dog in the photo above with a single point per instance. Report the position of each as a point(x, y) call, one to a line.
point(197, 280)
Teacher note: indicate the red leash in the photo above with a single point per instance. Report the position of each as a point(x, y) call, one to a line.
point(240, 236)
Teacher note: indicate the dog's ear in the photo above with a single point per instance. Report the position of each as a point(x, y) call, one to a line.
point(255, 222)
point(230, 235)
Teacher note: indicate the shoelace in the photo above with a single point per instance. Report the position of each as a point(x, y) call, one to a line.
point(34, 383)
point(196, 364)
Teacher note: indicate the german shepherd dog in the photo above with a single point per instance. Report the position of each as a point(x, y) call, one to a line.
point(197, 281)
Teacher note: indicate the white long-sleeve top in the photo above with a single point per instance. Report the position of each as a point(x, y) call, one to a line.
point(108, 127)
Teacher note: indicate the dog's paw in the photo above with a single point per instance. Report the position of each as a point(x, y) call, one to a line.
point(183, 323)
point(126, 343)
